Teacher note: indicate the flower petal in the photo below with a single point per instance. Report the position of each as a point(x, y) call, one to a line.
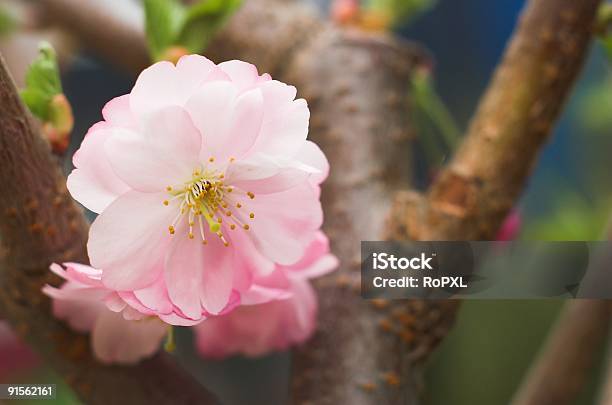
point(262, 174)
point(94, 183)
point(166, 154)
point(211, 110)
point(243, 74)
point(128, 240)
point(240, 131)
point(285, 222)
point(116, 340)
point(155, 88)
point(118, 112)
point(218, 276)
point(285, 124)
point(184, 269)
point(155, 297)
point(310, 154)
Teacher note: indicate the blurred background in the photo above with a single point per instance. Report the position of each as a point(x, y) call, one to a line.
point(568, 198)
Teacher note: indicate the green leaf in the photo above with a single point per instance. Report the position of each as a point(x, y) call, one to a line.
point(163, 22)
point(202, 20)
point(42, 82)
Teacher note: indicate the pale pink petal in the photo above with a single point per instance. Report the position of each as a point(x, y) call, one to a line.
point(117, 341)
point(74, 291)
point(302, 314)
point(219, 262)
point(94, 183)
point(262, 174)
point(184, 271)
point(155, 88)
point(211, 109)
point(118, 112)
point(131, 314)
point(284, 128)
point(285, 222)
point(259, 329)
point(191, 72)
point(129, 238)
point(260, 295)
point(311, 155)
point(316, 262)
point(79, 314)
point(155, 297)
point(83, 274)
point(178, 320)
point(235, 130)
point(165, 154)
point(243, 74)
point(250, 262)
point(115, 303)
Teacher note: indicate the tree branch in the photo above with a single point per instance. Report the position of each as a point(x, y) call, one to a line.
point(41, 224)
point(560, 372)
point(472, 196)
point(113, 29)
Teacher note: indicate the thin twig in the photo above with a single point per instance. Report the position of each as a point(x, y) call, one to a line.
point(562, 367)
point(471, 197)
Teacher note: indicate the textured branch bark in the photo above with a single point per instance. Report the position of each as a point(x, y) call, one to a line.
point(472, 196)
point(41, 224)
point(560, 372)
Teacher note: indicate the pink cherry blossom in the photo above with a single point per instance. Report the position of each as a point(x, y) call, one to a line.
point(119, 332)
point(258, 329)
point(203, 179)
point(511, 226)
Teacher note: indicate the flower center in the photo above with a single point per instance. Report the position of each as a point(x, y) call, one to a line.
point(205, 200)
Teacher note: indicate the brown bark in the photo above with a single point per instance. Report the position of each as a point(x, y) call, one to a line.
point(40, 224)
point(472, 196)
point(568, 356)
point(363, 351)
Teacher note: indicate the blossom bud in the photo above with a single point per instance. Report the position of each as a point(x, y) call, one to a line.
point(174, 53)
point(59, 126)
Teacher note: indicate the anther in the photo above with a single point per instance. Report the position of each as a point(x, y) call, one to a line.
point(251, 195)
point(166, 202)
point(232, 227)
point(211, 159)
point(252, 215)
point(246, 227)
point(238, 205)
point(191, 235)
point(171, 229)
